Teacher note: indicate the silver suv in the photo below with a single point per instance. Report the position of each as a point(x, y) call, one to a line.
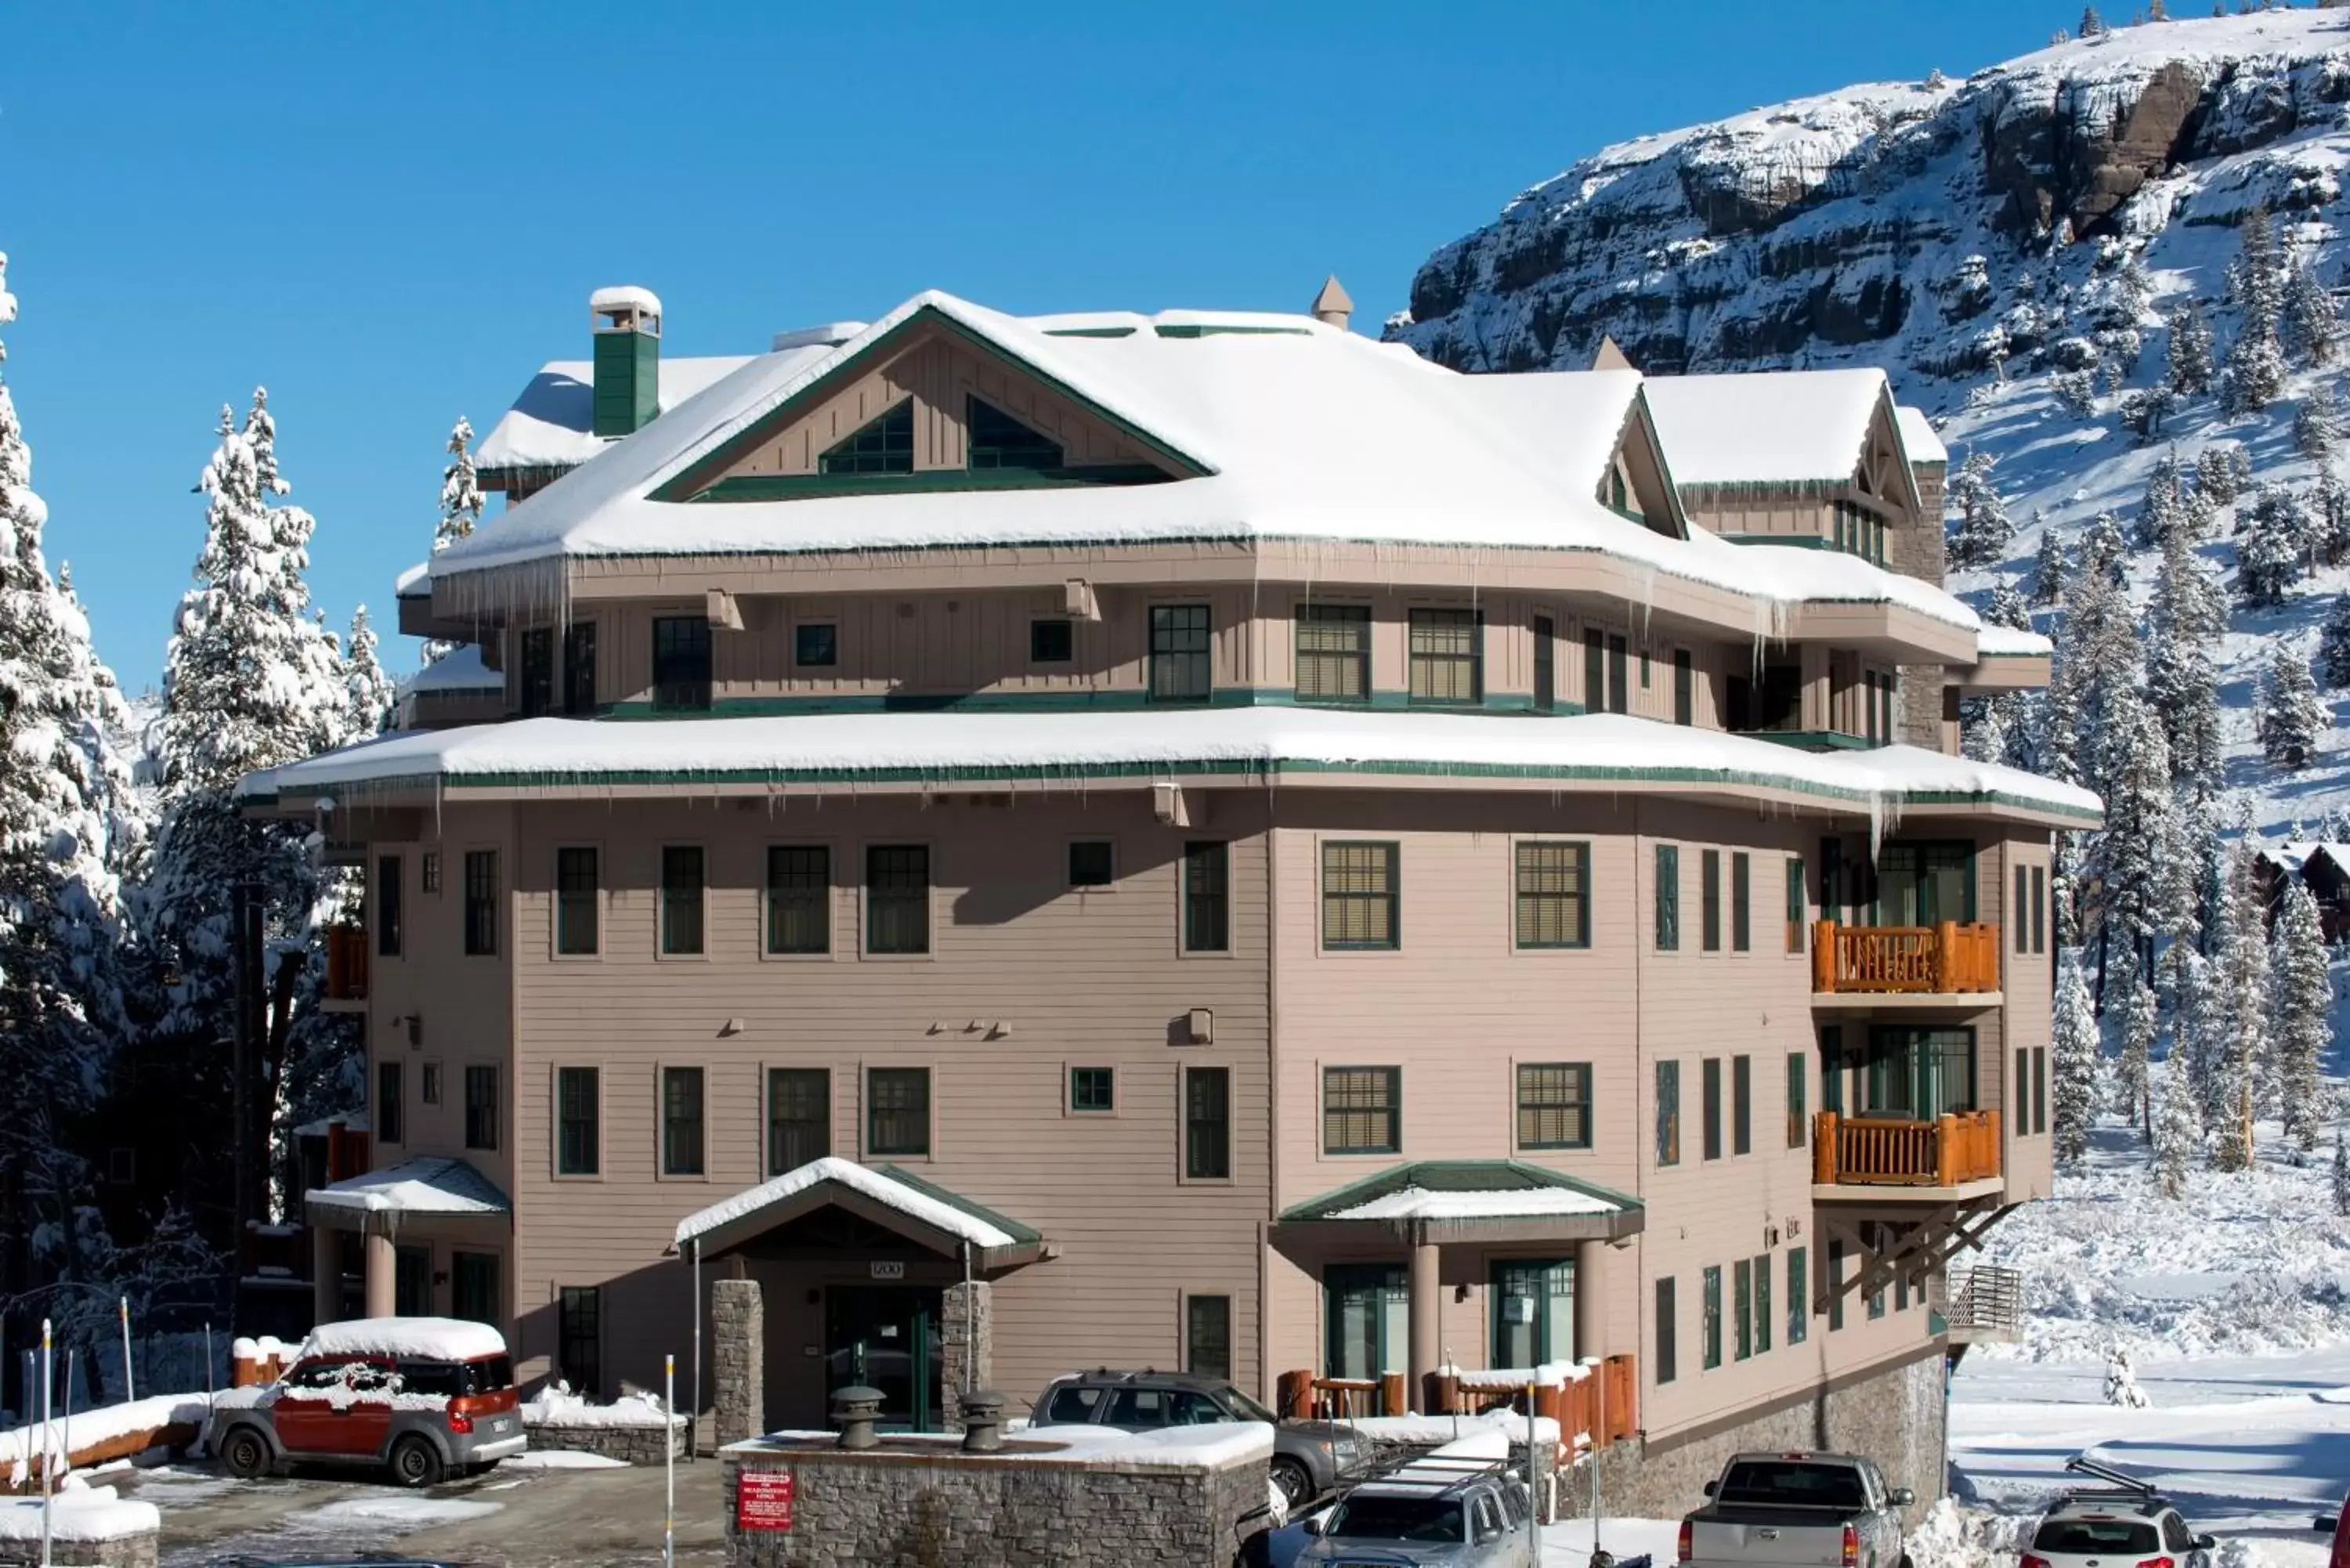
point(1430, 1513)
point(2125, 1522)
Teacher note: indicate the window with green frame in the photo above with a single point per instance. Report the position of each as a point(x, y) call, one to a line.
point(1667, 1369)
point(1684, 688)
point(1092, 1089)
point(1207, 905)
point(1709, 1318)
point(1742, 901)
point(1447, 658)
point(1366, 1310)
point(1741, 1104)
point(1668, 898)
point(884, 446)
point(1709, 1076)
point(1359, 895)
point(1836, 1284)
point(1798, 1115)
point(1799, 1282)
point(1553, 1108)
point(1799, 908)
point(1334, 653)
point(1709, 912)
point(1362, 1110)
point(1742, 1310)
point(1925, 882)
point(1208, 1335)
point(1762, 1303)
point(1533, 1311)
point(996, 440)
point(1920, 1070)
point(1669, 1113)
point(1553, 893)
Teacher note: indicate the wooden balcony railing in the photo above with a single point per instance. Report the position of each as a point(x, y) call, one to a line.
point(1605, 1405)
point(1886, 1151)
point(347, 964)
point(1950, 957)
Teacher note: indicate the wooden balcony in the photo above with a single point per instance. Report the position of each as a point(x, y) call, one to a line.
point(1944, 1155)
point(1878, 962)
point(347, 968)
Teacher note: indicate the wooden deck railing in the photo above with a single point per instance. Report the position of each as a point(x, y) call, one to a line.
point(1575, 1404)
point(1950, 957)
point(347, 964)
point(1887, 1151)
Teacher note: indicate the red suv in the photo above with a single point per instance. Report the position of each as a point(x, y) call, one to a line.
point(422, 1396)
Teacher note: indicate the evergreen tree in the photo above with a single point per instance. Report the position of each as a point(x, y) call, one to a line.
point(2292, 714)
point(2074, 1061)
point(2328, 503)
point(2341, 1173)
point(2048, 569)
point(251, 681)
point(2133, 1081)
point(2092, 25)
point(2239, 1057)
point(2215, 475)
point(2317, 424)
point(2312, 322)
point(2272, 554)
point(2178, 1129)
point(2193, 355)
point(68, 823)
point(2255, 372)
point(2139, 861)
point(2300, 1002)
point(368, 711)
point(2185, 618)
point(2167, 506)
point(1981, 533)
point(461, 511)
point(2334, 645)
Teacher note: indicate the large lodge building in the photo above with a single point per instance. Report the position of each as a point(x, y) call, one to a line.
point(1196, 839)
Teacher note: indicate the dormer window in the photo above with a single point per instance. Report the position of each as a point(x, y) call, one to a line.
point(884, 446)
point(999, 441)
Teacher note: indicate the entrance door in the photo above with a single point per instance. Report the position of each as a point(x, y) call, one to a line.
point(411, 1280)
point(1534, 1311)
point(886, 1337)
point(1368, 1310)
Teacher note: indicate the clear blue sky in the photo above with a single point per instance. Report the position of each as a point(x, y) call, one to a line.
point(392, 214)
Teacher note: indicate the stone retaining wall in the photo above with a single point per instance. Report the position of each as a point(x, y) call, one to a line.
point(637, 1444)
point(122, 1552)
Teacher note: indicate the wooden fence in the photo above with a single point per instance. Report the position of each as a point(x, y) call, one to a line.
point(1880, 960)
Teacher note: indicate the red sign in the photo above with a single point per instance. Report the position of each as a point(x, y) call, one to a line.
point(763, 1500)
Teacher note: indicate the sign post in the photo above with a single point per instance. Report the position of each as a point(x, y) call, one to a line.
point(669, 1451)
point(129, 1387)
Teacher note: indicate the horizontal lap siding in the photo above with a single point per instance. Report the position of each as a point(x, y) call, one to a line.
point(1075, 980)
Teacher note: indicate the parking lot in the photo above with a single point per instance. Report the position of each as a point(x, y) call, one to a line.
point(503, 1518)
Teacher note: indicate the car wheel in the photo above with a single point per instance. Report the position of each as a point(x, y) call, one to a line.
point(1295, 1485)
point(415, 1461)
point(244, 1453)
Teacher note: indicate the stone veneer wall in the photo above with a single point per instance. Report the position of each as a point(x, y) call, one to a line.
point(635, 1445)
point(137, 1550)
point(938, 1506)
point(967, 1336)
point(1893, 1414)
point(738, 1338)
point(1919, 552)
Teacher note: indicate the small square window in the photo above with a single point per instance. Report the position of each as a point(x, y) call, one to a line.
point(1092, 1089)
point(1052, 641)
point(431, 871)
point(1093, 863)
point(816, 644)
point(429, 1084)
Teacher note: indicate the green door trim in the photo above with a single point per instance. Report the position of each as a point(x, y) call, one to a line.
point(1543, 1327)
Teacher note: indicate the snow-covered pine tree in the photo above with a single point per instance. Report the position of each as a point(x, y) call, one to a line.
point(2137, 861)
point(2317, 424)
point(67, 822)
point(2215, 475)
point(2328, 502)
point(461, 511)
point(2185, 618)
point(2177, 1128)
point(2273, 549)
point(1997, 728)
point(2292, 714)
point(2334, 645)
point(2048, 569)
point(2255, 370)
point(2341, 1173)
point(251, 681)
point(2121, 1382)
point(1982, 531)
point(2092, 25)
point(2193, 358)
point(2300, 1003)
point(2076, 394)
point(370, 690)
point(2132, 1080)
point(2312, 322)
point(2072, 1061)
point(2240, 1059)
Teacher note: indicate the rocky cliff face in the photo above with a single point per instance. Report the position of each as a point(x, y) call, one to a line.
point(1895, 222)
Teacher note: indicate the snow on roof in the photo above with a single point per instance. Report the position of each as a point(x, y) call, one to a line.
point(430, 1184)
point(625, 296)
point(416, 583)
point(875, 1185)
point(431, 1338)
point(462, 669)
point(1919, 438)
point(79, 1512)
point(549, 424)
point(2292, 856)
point(353, 1121)
point(825, 747)
point(1777, 427)
point(824, 335)
point(2010, 642)
point(1418, 1203)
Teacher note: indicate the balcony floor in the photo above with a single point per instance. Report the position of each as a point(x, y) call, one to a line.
point(1907, 1001)
point(1885, 1194)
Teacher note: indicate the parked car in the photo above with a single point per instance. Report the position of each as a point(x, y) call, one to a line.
point(1798, 1510)
point(1426, 1512)
point(418, 1396)
point(2125, 1523)
point(1308, 1457)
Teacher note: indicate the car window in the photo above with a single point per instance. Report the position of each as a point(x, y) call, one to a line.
point(316, 1375)
point(2176, 1535)
point(444, 1379)
point(1191, 1408)
point(1244, 1408)
point(371, 1378)
point(1072, 1405)
point(1369, 1517)
point(1514, 1502)
point(1790, 1483)
point(2093, 1537)
point(1488, 1521)
point(1141, 1408)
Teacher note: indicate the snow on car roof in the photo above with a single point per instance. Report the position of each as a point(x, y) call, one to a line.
point(431, 1338)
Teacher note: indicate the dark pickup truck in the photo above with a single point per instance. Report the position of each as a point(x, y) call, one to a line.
point(1797, 1510)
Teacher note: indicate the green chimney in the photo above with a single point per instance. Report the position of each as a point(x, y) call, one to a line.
point(627, 359)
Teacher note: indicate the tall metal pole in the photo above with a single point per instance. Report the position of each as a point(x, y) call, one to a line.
point(130, 1383)
point(49, 1451)
point(693, 1416)
point(1533, 1479)
point(669, 1502)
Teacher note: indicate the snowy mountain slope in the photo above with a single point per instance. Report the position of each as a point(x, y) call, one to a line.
point(1972, 238)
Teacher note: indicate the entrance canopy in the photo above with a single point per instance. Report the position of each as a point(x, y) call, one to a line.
point(431, 1186)
point(927, 1215)
point(1435, 1201)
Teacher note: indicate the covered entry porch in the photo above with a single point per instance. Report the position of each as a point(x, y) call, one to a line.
point(1472, 1263)
point(429, 1235)
point(836, 1274)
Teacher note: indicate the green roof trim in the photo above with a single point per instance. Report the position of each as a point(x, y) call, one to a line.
point(1233, 329)
point(1089, 332)
point(1455, 1176)
point(1814, 739)
point(809, 486)
point(1025, 1235)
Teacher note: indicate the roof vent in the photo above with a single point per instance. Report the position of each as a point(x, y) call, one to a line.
point(1331, 306)
point(627, 359)
point(830, 335)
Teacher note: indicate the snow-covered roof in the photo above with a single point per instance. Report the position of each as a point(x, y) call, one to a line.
point(1780, 427)
point(428, 1184)
point(1606, 750)
point(416, 583)
point(1919, 438)
point(2295, 854)
point(1452, 1193)
point(625, 296)
point(462, 669)
point(550, 425)
point(2011, 642)
point(435, 1338)
point(1418, 1203)
point(890, 1187)
point(823, 335)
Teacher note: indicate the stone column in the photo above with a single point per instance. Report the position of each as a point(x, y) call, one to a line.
point(381, 1266)
point(1591, 1298)
point(325, 1274)
point(967, 1335)
point(1427, 1333)
point(738, 1340)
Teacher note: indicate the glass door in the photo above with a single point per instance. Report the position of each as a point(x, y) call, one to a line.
point(1922, 884)
point(1534, 1311)
point(886, 1337)
point(1921, 1072)
point(1368, 1309)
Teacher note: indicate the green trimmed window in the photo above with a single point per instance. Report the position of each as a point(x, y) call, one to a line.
point(1710, 865)
point(884, 446)
point(1178, 654)
point(1741, 1309)
point(897, 898)
point(1093, 1089)
point(1208, 1335)
point(1835, 1280)
point(1798, 1115)
point(1799, 1315)
point(680, 661)
point(1362, 1110)
point(1799, 908)
point(1669, 1113)
point(1762, 1303)
point(1684, 688)
point(1709, 1087)
point(1709, 1325)
point(1359, 895)
point(1334, 653)
point(1668, 898)
point(1553, 1105)
point(680, 900)
point(579, 668)
point(577, 891)
point(799, 1117)
point(681, 1121)
point(1447, 649)
point(816, 645)
point(536, 677)
point(1206, 1124)
point(1207, 898)
point(1666, 1358)
point(1553, 895)
point(896, 1111)
point(799, 898)
point(999, 441)
point(1741, 1104)
point(1742, 901)
point(1546, 664)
